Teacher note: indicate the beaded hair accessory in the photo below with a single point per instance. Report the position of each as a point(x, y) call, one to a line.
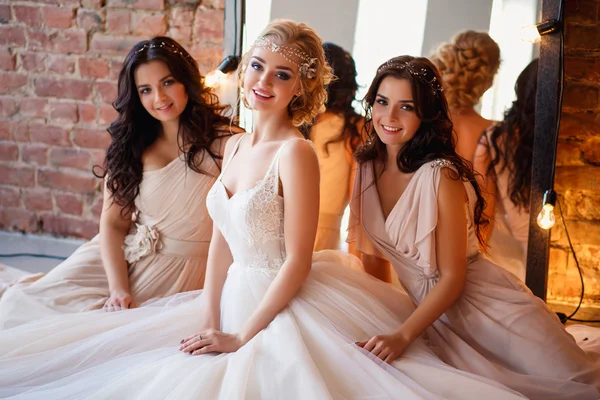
point(170, 47)
point(306, 64)
point(420, 74)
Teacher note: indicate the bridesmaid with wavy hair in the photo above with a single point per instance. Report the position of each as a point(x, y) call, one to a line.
point(166, 150)
point(416, 202)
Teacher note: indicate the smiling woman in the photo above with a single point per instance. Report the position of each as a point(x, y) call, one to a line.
point(167, 144)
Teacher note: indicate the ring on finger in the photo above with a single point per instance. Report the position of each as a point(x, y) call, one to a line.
point(200, 337)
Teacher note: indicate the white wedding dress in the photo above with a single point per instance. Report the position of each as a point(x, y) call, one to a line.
point(306, 352)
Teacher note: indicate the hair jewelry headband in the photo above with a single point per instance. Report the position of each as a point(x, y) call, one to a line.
point(420, 74)
point(306, 64)
point(170, 47)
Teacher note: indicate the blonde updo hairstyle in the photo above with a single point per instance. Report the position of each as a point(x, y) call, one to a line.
point(468, 65)
point(311, 102)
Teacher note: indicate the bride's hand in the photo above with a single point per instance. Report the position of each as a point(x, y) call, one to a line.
point(386, 347)
point(211, 341)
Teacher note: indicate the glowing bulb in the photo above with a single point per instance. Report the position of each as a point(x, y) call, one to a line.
point(545, 218)
point(531, 34)
point(214, 78)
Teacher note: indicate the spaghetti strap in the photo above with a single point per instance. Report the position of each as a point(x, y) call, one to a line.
point(235, 149)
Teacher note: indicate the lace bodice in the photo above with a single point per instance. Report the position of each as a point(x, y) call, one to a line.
point(251, 220)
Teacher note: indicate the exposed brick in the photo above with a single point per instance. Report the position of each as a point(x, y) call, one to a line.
point(9, 196)
point(581, 205)
point(69, 226)
point(115, 69)
point(33, 107)
point(60, 2)
point(91, 138)
point(18, 175)
point(37, 199)
point(138, 4)
point(58, 17)
point(149, 25)
point(208, 58)
point(70, 157)
point(117, 21)
point(37, 40)
point(93, 4)
point(12, 36)
point(98, 157)
point(63, 112)
point(208, 25)
point(10, 81)
point(62, 88)
point(579, 126)
point(62, 65)
point(71, 41)
point(568, 154)
point(577, 178)
point(591, 150)
point(96, 209)
point(214, 3)
point(107, 114)
point(71, 181)
point(90, 20)
point(582, 37)
point(8, 106)
point(69, 203)
point(19, 131)
point(107, 91)
point(581, 232)
point(582, 11)
point(4, 13)
point(29, 15)
point(33, 62)
point(93, 68)
point(52, 135)
point(581, 97)
point(5, 133)
point(7, 60)
point(9, 151)
point(86, 113)
point(181, 21)
point(34, 154)
point(582, 69)
point(18, 219)
point(113, 45)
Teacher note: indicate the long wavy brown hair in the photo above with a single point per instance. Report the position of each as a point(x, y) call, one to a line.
point(135, 129)
point(512, 139)
point(435, 138)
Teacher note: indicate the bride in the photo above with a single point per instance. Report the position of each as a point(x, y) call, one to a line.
point(274, 320)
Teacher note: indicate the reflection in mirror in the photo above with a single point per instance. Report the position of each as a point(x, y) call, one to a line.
point(373, 31)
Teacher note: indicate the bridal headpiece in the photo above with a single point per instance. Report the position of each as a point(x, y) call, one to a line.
point(306, 64)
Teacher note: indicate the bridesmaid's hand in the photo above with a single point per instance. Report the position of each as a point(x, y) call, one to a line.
point(386, 347)
point(119, 300)
point(211, 341)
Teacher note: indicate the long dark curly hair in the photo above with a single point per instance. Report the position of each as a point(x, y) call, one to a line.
point(512, 139)
point(341, 92)
point(435, 138)
point(135, 129)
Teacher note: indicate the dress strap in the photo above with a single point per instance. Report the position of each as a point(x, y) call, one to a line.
point(235, 149)
point(274, 167)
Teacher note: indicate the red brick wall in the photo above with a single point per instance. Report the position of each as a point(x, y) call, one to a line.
point(578, 159)
point(59, 61)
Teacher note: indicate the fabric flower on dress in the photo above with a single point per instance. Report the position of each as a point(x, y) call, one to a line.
point(141, 243)
point(307, 68)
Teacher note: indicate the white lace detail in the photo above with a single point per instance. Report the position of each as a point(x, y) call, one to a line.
point(264, 226)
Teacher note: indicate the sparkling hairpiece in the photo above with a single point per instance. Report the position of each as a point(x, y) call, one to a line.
point(420, 74)
point(170, 47)
point(306, 64)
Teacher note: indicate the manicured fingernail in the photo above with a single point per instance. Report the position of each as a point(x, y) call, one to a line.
point(182, 340)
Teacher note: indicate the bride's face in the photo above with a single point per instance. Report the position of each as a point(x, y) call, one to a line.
point(270, 81)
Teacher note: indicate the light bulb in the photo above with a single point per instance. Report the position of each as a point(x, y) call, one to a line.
point(545, 218)
point(530, 34)
point(214, 78)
